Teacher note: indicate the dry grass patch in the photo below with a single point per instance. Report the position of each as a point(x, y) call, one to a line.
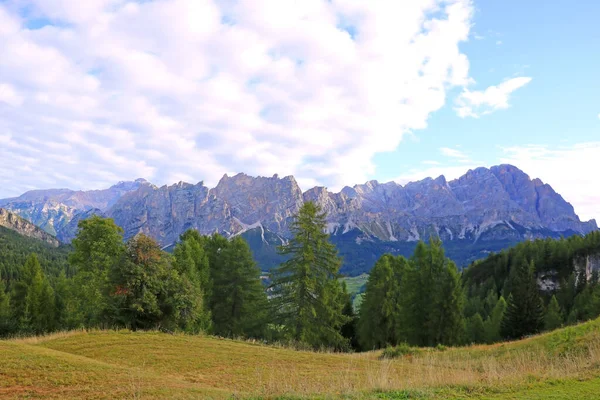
point(124, 364)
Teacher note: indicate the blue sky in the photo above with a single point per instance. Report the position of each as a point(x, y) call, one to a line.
point(334, 92)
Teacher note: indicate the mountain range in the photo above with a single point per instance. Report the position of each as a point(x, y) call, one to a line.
point(484, 210)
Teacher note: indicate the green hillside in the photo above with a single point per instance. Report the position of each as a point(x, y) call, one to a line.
point(564, 364)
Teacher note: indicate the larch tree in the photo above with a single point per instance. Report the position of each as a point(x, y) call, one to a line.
point(525, 312)
point(309, 297)
point(238, 301)
point(553, 318)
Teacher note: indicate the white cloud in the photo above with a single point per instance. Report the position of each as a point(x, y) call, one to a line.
point(477, 103)
point(166, 89)
point(9, 95)
point(570, 170)
point(455, 153)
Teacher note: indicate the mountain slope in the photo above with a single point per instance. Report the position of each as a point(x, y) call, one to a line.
point(53, 209)
point(23, 227)
point(485, 210)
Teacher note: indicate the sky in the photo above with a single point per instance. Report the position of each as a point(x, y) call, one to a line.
point(334, 92)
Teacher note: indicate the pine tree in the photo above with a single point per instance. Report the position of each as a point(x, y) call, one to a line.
point(553, 318)
point(476, 329)
point(238, 303)
point(32, 302)
point(191, 263)
point(381, 307)
point(525, 313)
point(493, 323)
point(5, 320)
point(451, 325)
point(309, 297)
point(350, 329)
point(437, 300)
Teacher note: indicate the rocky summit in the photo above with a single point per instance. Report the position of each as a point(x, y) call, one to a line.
point(22, 226)
point(485, 210)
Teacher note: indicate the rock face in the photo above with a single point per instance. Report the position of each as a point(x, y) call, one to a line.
point(25, 228)
point(53, 209)
point(484, 209)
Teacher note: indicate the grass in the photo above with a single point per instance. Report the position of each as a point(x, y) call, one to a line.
point(354, 284)
point(120, 364)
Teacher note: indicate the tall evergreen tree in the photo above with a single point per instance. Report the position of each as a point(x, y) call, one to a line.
point(191, 263)
point(476, 329)
point(238, 302)
point(5, 320)
point(525, 313)
point(437, 308)
point(350, 328)
point(32, 302)
point(309, 296)
point(553, 318)
point(493, 323)
point(380, 309)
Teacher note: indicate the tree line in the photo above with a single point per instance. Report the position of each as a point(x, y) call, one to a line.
point(212, 285)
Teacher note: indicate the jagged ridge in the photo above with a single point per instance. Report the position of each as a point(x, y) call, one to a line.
point(497, 205)
point(23, 227)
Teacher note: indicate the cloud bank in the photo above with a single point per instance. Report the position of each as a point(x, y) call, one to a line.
point(97, 91)
point(477, 103)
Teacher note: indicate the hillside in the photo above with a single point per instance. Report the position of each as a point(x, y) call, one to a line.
point(16, 248)
point(484, 211)
point(100, 365)
point(23, 227)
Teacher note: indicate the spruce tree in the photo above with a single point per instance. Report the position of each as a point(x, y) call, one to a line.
point(553, 318)
point(381, 306)
point(494, 321)
point(238, 302)
point(524, 313)
point(191, 263)
point(350, 329)
point(476, 329)
point(5, 320)
point(306, 289)
point(435, 298)
point(32, 301)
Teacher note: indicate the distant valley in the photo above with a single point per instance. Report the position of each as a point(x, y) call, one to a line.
point(483, 211)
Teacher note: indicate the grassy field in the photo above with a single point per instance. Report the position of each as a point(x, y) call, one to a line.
point(120, 364)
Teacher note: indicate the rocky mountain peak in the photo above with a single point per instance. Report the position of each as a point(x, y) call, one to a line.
point(494, 204)
point(22, 226)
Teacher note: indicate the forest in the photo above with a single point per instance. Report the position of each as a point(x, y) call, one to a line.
point(212, 285)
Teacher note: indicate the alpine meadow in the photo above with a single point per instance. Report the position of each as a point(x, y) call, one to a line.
point(316, 199)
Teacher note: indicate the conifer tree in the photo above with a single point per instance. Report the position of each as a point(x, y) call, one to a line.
point(5, 320)
point(493, 323)
point(238, 302)
point(553, 318)
point(381, 306)
point(191, 263)
point(476, 329)
point(309, 297)
point(350, 329)
point(32, 302)
point(524, 313)
point(437, 297)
